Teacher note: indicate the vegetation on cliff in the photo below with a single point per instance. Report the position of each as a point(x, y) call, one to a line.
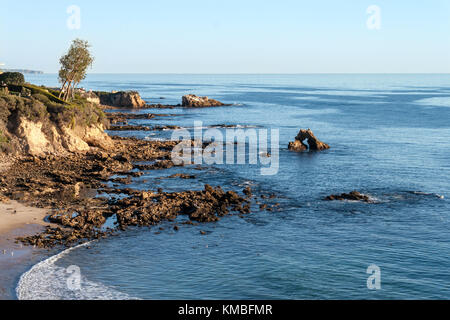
point(41, 106)
point(12, 78)
point(39, 120)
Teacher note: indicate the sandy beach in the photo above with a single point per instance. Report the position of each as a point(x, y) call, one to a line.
point(14, 215)
point(15, 259)
point(17, 220)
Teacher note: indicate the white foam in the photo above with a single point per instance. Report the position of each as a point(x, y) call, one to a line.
point(435, 102)
point(46, 281)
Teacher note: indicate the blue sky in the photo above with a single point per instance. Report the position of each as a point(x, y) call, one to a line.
point(246, 36)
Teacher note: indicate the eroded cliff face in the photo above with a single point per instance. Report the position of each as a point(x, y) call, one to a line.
point(39, 138)
point(35, 125)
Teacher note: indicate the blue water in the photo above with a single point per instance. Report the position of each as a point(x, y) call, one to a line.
point(390, 137)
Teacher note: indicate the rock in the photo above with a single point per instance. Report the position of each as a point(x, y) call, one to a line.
point(146, 195)
point(122, 99)
point(193, 101)
point(121, 158)
point(352, 196)
point(248, 192)
point(181, 176)
point(129, 128)
point(3, 199)
point(90, 96)
point(314, 144)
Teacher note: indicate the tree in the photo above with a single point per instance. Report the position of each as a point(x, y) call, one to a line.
point(74, 65)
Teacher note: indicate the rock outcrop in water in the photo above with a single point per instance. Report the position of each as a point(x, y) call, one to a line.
point(192, 101)
point(314, 144)
point(121, 99)
point(352, 196)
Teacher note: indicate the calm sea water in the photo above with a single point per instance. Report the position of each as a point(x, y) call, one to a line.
point(390, 138)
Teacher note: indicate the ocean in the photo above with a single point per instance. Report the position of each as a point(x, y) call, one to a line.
point(389, 138)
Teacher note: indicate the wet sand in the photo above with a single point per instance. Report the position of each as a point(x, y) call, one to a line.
point(15, 259)
point(14, 215)
point(17, 220)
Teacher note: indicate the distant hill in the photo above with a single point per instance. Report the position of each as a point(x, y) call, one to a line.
point(22, 71)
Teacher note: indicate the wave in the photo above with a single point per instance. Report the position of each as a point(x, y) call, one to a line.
point(46, 281)
point(420, 193)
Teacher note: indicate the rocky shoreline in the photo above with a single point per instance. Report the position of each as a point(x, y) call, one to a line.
point(75, 189)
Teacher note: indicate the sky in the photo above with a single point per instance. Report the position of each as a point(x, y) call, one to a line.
point(231, 36)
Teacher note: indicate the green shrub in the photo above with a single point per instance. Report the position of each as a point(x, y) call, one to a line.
point(3, 138)
point(4, 143)
point(32, 109)
point(50, 94)
point(15, 78)
point(43, 104)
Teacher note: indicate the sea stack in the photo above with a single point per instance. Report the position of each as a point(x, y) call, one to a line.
point(192, 101)
point(121, 99)
point(314, 144)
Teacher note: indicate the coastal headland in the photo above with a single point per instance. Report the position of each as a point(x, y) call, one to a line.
point(59, 185)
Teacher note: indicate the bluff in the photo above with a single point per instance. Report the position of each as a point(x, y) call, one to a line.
point(33, 121)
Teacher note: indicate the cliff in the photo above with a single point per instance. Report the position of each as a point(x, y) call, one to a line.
point(33, 121)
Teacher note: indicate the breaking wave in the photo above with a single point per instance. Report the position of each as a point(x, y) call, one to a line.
point(47, 281)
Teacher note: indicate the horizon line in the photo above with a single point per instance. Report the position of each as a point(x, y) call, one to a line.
point(263, 73)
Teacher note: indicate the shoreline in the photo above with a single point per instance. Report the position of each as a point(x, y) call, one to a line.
point(23, 226)
point(14, 216)
point(17, 220)
point(16, 259)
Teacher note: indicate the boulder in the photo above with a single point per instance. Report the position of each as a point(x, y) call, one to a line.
point(193, 101)
point(122, 99)
point(314, 144)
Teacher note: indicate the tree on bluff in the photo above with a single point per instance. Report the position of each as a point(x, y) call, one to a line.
point(74, 65)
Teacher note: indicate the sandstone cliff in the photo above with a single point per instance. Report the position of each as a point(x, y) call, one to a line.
point(41, 124)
